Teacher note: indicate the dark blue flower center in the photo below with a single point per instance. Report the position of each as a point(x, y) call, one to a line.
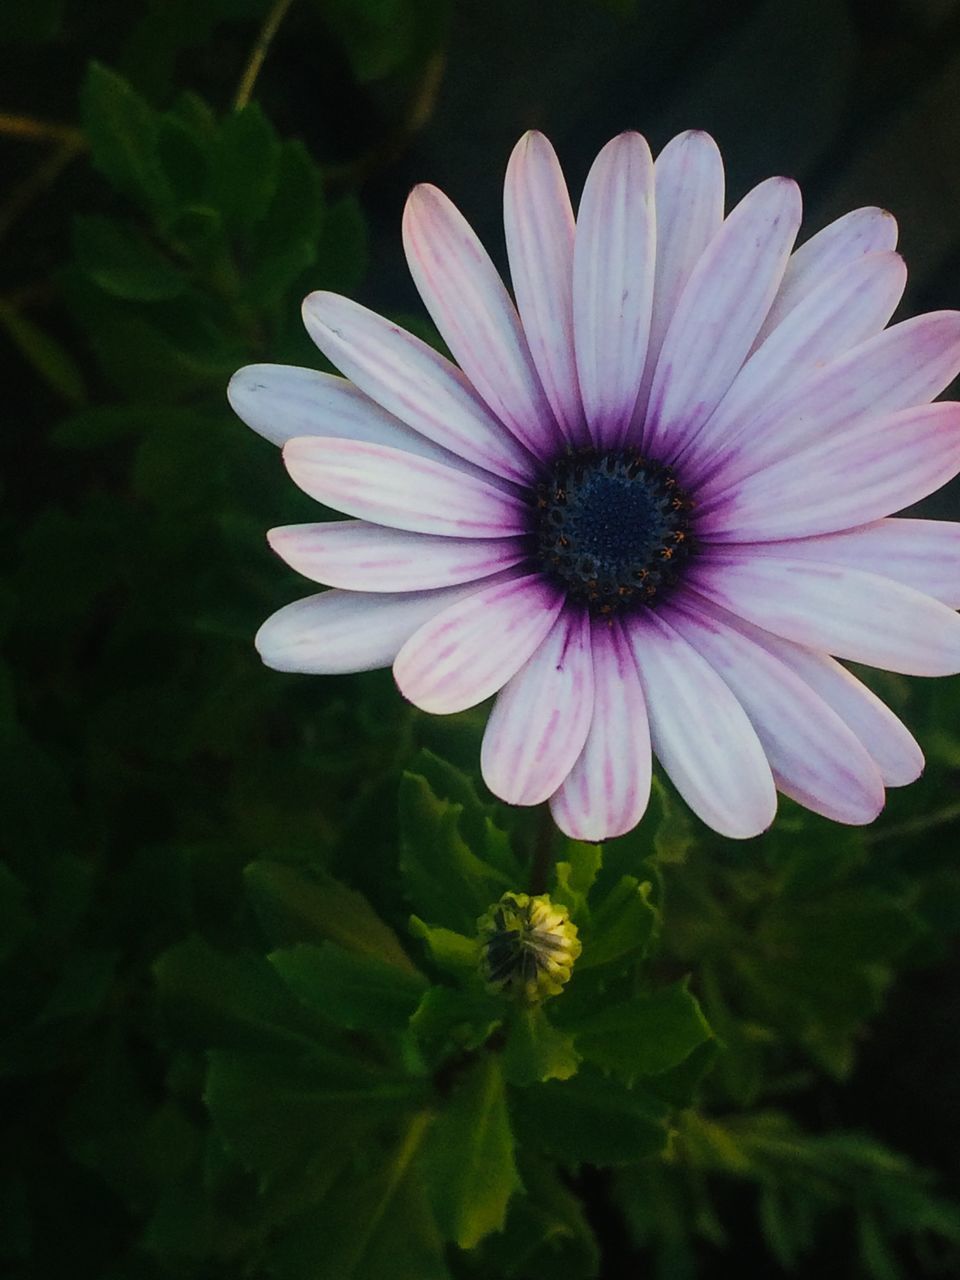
point(612, 529)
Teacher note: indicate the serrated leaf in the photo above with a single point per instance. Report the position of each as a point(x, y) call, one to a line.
point(574, 877)
point(443, 878)
point(536, 1050)
point(592, 1119)
point(480, 831)
point(123, 262)
point(622, 925)
point(645, 1035)
point(453, 952)
point(469, 1159)
point(294, 906)
point(356, 991)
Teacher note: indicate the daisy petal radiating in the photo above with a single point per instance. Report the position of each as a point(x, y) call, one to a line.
point(719, 313)
point(701, 734)
point(860, 232)
point(338, 632)
point(464, 294)
point(841, 611)
point(689, 186)
point(613, 265)
point(539, 225)
point(847, 308)
point(891, 745)
point(897, 461)
point(471, 650)
point(816, 758)
point(923, 554)
point(607, 790)
point(400, 490)
point(413, 382)
point(368, 557)
point(906, 365)
point(540, 719)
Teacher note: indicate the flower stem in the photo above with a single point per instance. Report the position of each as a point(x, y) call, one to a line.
point(542, 852)
point(258, 54)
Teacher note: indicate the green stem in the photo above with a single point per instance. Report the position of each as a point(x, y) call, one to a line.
point(258, 54)
point(542, 852)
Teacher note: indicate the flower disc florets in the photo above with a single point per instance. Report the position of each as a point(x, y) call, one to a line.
point(613, 528)
point(529, 946)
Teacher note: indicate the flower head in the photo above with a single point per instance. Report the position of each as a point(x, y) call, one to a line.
point(529, 946)
point(650, 507)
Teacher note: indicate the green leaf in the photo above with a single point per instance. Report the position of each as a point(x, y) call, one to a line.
point(48, 357)
point(622, 926)
point(16, 919)
point(357, 991)
point(442, 877)
point(645, 1035)
point(450, 951)
point(294, 906)
point(574, 877)
point(120, 259)
point(280, 1113)
point(123, 130)
point(469, 1158)
point(378, 1227)
point(450, 1022)
point(536, 1050)
point(243, 171)
point(477, 820)
point(592, 1119)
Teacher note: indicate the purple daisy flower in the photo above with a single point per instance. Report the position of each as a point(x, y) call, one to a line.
point(650, 508)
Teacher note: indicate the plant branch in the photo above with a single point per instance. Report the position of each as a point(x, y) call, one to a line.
point(258, 54)
point(542, 852)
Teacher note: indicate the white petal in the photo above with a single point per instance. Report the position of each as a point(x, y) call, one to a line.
point(606, 792)
point(906, 365)
point(689, 185)
point(397, 489)
point(815, 758)
point(470, 651)
point(338, 632)
point(539, 225)
point(719, 313)
point(857, 233)
point(842, 611)
point(540, 719)
point(368, 557)
point(413, 382)
point(890, 743)
point(613, 265)
point(701, 734)
point(847, 308)
point(858, 474)
point(923, 554)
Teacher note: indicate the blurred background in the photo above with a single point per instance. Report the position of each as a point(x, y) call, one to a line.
point(154, 238)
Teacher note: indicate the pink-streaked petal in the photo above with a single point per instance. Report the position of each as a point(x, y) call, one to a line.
point(839, 244)
point(890, 743)
point(337, 632)
point(719, 313)
point(815, 757)
point(847, 308)
point(906, 365)
point(367, 557)
point(462, 290)
point(414, 383)
point(470, 651)
point(855, 475)
point(402, 491)
point(607, 790)
point(923, 554)
point(613, 266)
point(540, 719)
point(701, 734)
point(689, 185)
point(539, 225)
point(845, 612)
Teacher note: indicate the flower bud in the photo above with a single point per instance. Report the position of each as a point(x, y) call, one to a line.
point(528, 946)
